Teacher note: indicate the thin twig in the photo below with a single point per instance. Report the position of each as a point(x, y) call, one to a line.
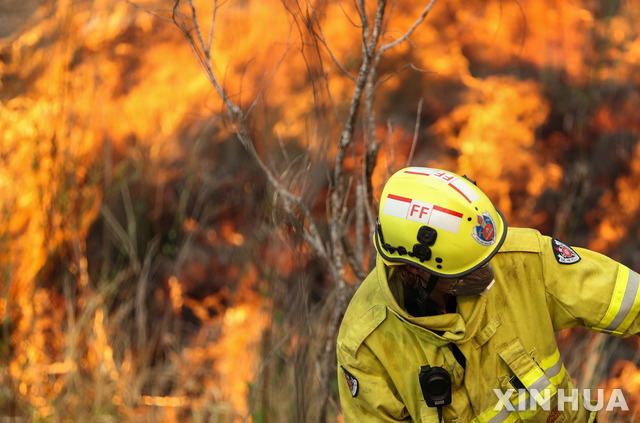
point(416, 129)
point(399, 71)
point(320, 36)
point(411, 30)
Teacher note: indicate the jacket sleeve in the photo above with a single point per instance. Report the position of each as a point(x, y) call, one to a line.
point(589, 289)
point(366, 391)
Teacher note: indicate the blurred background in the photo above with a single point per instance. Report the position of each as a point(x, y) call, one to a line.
point(151, 271)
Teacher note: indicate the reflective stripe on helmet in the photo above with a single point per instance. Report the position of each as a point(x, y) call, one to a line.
point(450, 179)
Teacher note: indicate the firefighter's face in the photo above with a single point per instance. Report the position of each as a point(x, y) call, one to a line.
point(477, 282)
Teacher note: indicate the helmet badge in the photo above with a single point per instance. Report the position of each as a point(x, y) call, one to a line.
point(484, 232)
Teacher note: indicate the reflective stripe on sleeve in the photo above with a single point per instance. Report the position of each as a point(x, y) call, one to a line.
point(554, 372)
point(540, 382)
point(624, 305)
point(539, 386)
point(504, 416)
point(524, 407)
point(500, 416)
point(554, 368)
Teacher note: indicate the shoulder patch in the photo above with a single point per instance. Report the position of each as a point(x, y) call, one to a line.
point(351, 381)
point(563, 253)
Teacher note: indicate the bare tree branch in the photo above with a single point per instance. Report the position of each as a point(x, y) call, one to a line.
point(338, 251)
point(237, 118)
point(320, 35)
point(416, 129)
point(347, 132)
point(369, 46)
point(411, 30)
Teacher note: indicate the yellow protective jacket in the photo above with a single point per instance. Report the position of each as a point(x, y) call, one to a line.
point(506, 333)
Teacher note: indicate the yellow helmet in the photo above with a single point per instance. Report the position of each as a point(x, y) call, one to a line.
point(438, 221)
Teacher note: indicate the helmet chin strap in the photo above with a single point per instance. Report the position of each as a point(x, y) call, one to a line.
point(423, 293)
point(431, 284)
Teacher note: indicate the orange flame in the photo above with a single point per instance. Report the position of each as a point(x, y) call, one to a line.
point(87, 83)
point(626, 377)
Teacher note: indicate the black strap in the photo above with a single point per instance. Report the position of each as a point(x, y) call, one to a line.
point(416, 300)
point(460, 358)
point(431, 284)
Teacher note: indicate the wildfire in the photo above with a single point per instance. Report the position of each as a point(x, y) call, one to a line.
point(229, 357)
point(625, 376)
point(485, 145)
point(128, 266)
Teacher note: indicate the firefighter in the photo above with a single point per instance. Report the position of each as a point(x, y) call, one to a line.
point(456, 322)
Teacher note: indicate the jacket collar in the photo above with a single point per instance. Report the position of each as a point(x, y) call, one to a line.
point(456, 327)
